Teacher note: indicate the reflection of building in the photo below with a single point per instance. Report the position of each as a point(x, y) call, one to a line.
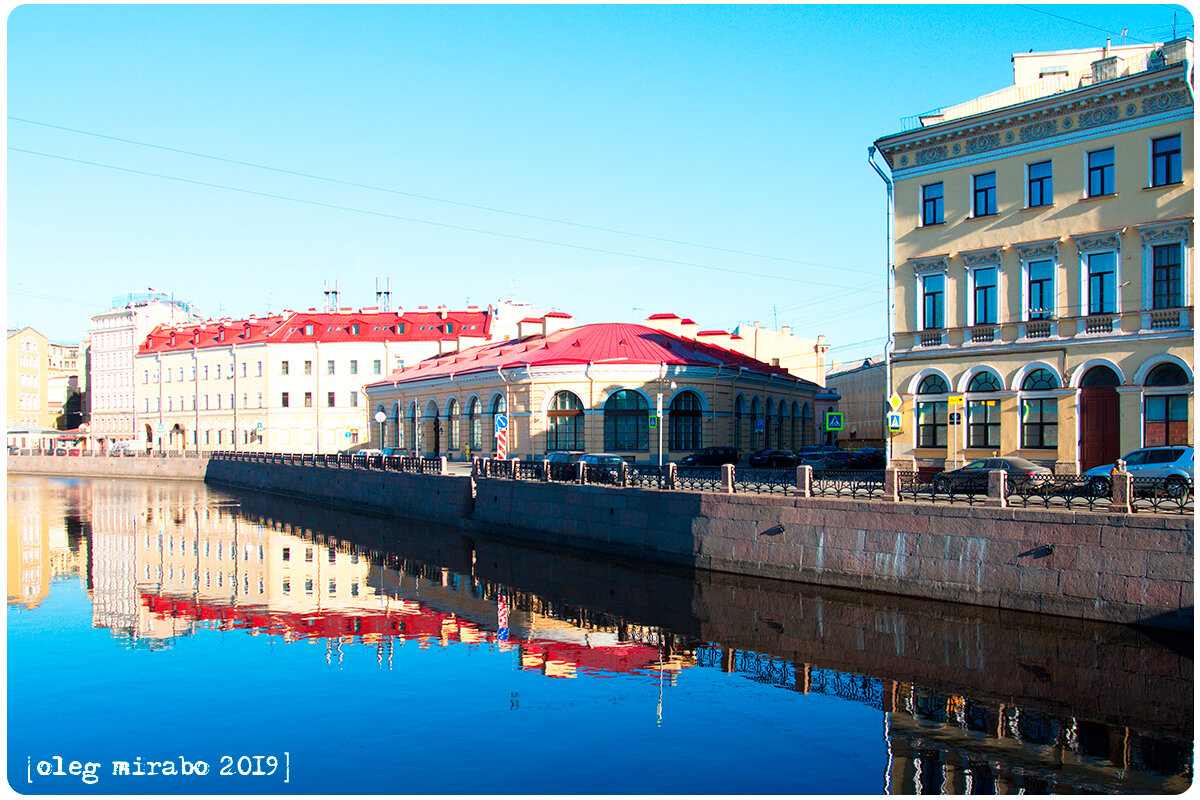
point(863, 391)
point(1043, 263)
point(28, 548)
point(596, 388)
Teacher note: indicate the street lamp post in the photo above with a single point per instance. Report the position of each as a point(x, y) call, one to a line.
point(380, 417)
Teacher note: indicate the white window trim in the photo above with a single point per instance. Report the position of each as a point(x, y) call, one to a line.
point(971, 192)
point(1029, 164)
point(1156, 236)
point(1103, 242)
point(921, 326)
point(1087, 169)
point(971, 270)
point(1026, 260)
point(1150, 184)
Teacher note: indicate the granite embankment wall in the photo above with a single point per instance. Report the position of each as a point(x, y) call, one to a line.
point(163, 469)
point(1128, 568)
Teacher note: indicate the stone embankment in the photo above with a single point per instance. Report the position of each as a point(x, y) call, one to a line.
point(1128, 568)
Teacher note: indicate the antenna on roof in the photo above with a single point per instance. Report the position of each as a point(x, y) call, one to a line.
point(383, 298)
point(331, 296)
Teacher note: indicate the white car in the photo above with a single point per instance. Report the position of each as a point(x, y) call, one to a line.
point(1175, 463)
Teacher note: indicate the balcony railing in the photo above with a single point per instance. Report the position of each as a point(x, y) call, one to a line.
point(931, 338)
point(1100, 323)
point(1166, 318)
point(983, 333)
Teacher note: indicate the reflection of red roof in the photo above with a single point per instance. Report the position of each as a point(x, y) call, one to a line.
point(604, 343)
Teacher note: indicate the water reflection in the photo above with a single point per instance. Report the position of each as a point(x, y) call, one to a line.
point(974, 701)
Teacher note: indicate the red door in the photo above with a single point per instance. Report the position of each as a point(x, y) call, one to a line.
point(1099, 425)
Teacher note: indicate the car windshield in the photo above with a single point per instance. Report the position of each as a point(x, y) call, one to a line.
point(977, 465)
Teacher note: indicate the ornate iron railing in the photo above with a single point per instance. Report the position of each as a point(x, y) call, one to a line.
point(648, 477)
point(762, 480)
point(602, 474)
point(1172, 495)
point(530, 470)
point(1058, 491)
point(701, 479)
point(564, 473)
point(847, 483)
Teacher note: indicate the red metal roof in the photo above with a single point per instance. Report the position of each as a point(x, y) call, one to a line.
point(603, 343)
point(663, 316)
point(293, 326)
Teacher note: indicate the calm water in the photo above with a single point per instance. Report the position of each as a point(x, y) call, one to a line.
point(305, 650)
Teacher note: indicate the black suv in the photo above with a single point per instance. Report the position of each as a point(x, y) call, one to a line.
point(710, 457)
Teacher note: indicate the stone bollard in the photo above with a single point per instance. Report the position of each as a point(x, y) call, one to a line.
point(623, 477)
point(997, 489)
point(514, 467)
point(1122, 493)
point(804, 480)
point(545, 470)
point(891, 485)
point(443, 469)
point(580, 472)
point(672, 474)
point(727, 478)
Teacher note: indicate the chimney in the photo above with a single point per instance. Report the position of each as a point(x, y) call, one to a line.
point(530, 326)
point(688, 329)
point(442, 311)
point(667, 323)
point(555, 321)
point(786, 330)
point(718, 338)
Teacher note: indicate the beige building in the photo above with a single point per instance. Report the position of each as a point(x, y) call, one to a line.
point(863, 390)
point(28, 372)
point(804, 358)
point(595, 388)
point(1043, 263)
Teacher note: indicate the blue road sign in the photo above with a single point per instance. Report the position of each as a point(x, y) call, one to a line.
point(501, 423)
point(834, 421)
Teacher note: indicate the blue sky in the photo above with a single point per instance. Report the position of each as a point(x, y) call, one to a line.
point(711, 160)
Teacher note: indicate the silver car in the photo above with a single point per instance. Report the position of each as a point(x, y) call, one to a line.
point(1176, 463)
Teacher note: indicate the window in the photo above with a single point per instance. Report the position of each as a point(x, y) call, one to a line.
point(564, 423)
point(626, 422)
point(308, 399)
point(353, 367)
point(332, 556)
point(934, 289)
point(218, 370)
point(1166, 420)
point(283, 368)
point(984, 187)
point(258, 369)
point(985, 296)
point(308, 367)
point(287, 554)
point(354, 399)
point(260, 400)
point(1101, 173)
point(474, 424)
point(685, 421)
point(283, 400)
point(243, 369)
point(377, 367)
point(1166, 158)
point(1041, 289)
point(739, 411)
point(1039, 380)
point(206, 372)
point(983, 416)
point(1039, 423)
point(308, 555)
point(1168, 271)
point(329, 367)
point(449, 327)
point(308, 330)
point(1102, 283)
point(451, 422)
point(354, 329)
point(329, 400)
point(932, 204)
point(931, 423)
point(308, 586)
point(1041, 184)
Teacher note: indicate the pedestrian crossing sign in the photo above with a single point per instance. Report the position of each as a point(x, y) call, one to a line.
point(893, 421)
point(834, 421)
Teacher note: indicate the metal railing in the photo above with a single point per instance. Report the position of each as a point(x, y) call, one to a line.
point(848, 483)
point(408, 464)
point(702, 479)
point(1170, 495)
point(1059, 491)
point(761, 480)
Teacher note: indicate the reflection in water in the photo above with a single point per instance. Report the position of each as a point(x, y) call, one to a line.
point(974, 702)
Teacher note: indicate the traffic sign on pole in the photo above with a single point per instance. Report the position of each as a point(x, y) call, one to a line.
point(834, 421)
point(501, 436)
point(894, 423)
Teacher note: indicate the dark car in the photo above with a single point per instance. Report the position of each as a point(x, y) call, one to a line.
point(974, 476)
point(711, 457)
point(602, 467)
point(870, 458)
point(773, 458)
point(562, 464)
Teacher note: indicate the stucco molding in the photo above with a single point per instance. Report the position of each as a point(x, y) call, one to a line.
point(982, 258)
point(1029, 251)
point(1096, 242)
point(930, 266)
point(1164, 232)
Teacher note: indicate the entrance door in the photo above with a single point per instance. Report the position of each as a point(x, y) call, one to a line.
point(1099, 419)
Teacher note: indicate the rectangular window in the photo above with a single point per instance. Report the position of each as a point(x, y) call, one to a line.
point(308, 586)
point(308, 399)
point(308, 368)
point(934, 288)
point(1041, 184)
point(1102, 173)
point(218, 370)
point(378, 366)
point(218, 400)
point(354, 399)
point(243, 369)
point(354, 329)
point(931, 424)
point(329, 367)
point(308, 555)
point(287, 554)
point(1168, 273)
point(283, 368)
point(985, 296)
point(260, 405)
point(329, 400)
point(206, 437)
point(332, 587)
point(258, 369)
point(332, 556)
point(983, 423)
point(287, 586)
point(1039, 423)
point(283, 400)
point(205, 372)
point(932, 204)
point(1041, 289)
point(1166, 161)
point(1102, 283)
point(353, 367)
point(985, 194)
point(1166, 420)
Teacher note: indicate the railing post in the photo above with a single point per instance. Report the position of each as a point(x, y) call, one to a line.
point(804, 480)
point(727, 478)
point(672, 475)
point(1122, 493)
point(513, 464)
point(580, 472)
point(624, 474)
point(891, 485)
point(997, 488)
point(545, 470)
point(442, 468)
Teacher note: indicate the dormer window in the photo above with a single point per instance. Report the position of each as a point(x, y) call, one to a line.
point(308, 330)
point(354, 329)
point(449, 327)
point(400, 328)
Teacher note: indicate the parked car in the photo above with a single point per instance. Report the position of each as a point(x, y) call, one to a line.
point(816, 455)
point(563, 456)
point(974, 476)
point(391, 451)
point(711, 457)
point(870, 458)
point(1175, 463)
point(602, 467)
point(362, 455)
point(773, 458)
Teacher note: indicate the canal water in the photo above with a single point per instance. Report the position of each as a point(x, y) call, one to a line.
point(177, 638)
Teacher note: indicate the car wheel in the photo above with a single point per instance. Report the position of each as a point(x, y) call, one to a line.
point(1177, 487)
point(941, 486)
point(1099, 487)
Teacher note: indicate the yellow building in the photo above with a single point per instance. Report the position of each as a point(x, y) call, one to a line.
point(28, 370)
point(1043, 263)
point(863, 390)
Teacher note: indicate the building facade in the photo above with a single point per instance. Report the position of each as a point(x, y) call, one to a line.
point(1043, 263)
point(593, 388)
point(114, 338)
point(28, 373)
point(863, 391)
point(290, 382)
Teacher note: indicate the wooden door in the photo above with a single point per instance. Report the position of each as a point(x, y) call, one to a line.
point(1099, 427)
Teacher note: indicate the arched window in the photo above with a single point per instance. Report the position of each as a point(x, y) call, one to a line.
point(739, 411)
point(475, 425)
point(756, 423)
point(1039, 380)
point(1100, 377)
point(564, 422)
point(931, 414)
point(806, 425)
point(779, 425)
point(396, 434)
point(452, 423)
point(499, 406)
point(1166, 414)
point(626, 422)
point(414, 417)
point(795, 441)
point(381, 428)
point(1167, 374)
point(767, 430)
point(983, 416)
point(685, 421)
point(933, 384)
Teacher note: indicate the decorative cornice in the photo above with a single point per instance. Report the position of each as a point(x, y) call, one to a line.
point(930, 266)
point(1164, 232)
point(1108, 240)
point(982, 258)
point(1042, 249)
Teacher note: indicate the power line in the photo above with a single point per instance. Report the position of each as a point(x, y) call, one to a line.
point(1077, 22)
point(431, 198)
point(417, 220)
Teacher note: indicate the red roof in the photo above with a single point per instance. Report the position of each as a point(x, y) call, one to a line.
point(663, 316)
point(321, 326)
point(603, 343)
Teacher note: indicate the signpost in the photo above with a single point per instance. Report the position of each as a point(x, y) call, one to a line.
point(894, 401)
point(834, 421)
point(379, 417)
point(501, 436)
point(894, 423)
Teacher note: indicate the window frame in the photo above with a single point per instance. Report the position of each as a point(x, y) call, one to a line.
point(939, 204)
point(1176, 162)
point(974, 288)
point(1105, 173)
point(1086, 284)
point(926, 295)
point(1027, 281)
point(1045, 184)
point(991, 201)
point(1177, 279)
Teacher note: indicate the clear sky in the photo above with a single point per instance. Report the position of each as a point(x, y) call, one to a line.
point(607, 161)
